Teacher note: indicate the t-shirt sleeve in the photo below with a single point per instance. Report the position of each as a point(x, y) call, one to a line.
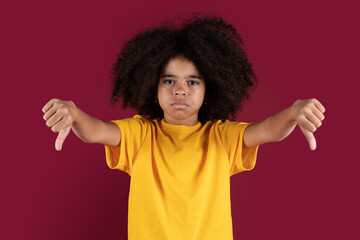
point(133, 131)
point(241, 158)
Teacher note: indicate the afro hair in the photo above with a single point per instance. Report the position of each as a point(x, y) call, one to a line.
point(215, 48)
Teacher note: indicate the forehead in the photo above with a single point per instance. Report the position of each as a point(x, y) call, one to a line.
point(180, 65)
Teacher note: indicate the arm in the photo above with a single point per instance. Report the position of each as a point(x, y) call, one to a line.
point(308, 114)
point(62, 116)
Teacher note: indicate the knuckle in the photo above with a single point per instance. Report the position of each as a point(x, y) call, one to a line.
point(58, 103)
point(65, 110)
point(301, 118)
point(309, 103)
point(312, 101)
point(60, 111)
point(67, 121)
point(297, 101)
point(304, 111)
point(54, 101)
point(70, 120)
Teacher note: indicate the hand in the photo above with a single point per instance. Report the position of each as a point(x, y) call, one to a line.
point(308, 114)
point(59, 115)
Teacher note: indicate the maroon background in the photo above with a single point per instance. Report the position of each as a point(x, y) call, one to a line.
point(66, 49)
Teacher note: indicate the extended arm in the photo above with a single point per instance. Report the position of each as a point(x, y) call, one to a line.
point(308, 114)
point(62, 116)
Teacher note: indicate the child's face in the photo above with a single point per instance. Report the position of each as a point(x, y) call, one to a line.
point(181, 91)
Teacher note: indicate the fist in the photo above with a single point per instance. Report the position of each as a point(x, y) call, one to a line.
point(309, 115)
point(59, 116)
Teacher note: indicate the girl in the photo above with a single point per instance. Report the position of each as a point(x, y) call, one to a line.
point(181, 150)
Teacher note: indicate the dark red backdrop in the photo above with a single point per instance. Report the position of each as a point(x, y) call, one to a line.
point(65, 49)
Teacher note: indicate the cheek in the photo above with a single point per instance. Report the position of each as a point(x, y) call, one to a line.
point(201, 94)
point(162, 97)
point(161, 93)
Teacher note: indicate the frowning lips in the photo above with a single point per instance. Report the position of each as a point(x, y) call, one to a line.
point(179, 104)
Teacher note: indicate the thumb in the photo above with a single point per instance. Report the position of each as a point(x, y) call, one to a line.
point(310, 137)
point(61, 138)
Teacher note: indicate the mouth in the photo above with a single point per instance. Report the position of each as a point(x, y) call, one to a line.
point(179, 105)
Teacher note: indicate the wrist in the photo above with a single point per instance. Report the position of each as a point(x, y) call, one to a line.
point(293, 111)
point(74, 111)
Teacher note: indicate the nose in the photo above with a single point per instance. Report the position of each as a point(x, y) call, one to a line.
point(180, 90)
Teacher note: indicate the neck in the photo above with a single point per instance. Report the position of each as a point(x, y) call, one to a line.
point(191, 121)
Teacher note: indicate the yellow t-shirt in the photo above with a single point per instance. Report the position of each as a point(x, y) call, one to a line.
point(180, 176)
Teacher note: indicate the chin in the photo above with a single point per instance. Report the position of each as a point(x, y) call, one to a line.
point(179, 115)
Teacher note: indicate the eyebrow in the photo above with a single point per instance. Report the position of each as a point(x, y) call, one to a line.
point(174, 76)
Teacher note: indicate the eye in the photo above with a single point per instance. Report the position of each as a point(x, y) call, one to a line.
point(168, 81)
point(192, 82)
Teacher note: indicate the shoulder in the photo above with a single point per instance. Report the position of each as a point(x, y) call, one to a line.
point(135, 121)
point(230, 129)
point(227, 124)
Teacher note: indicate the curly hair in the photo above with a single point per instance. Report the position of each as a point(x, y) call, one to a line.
point(211, 44)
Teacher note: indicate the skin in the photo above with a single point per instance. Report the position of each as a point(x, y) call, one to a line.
point(181, 92)
point(308, 114)
point(63, 116)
